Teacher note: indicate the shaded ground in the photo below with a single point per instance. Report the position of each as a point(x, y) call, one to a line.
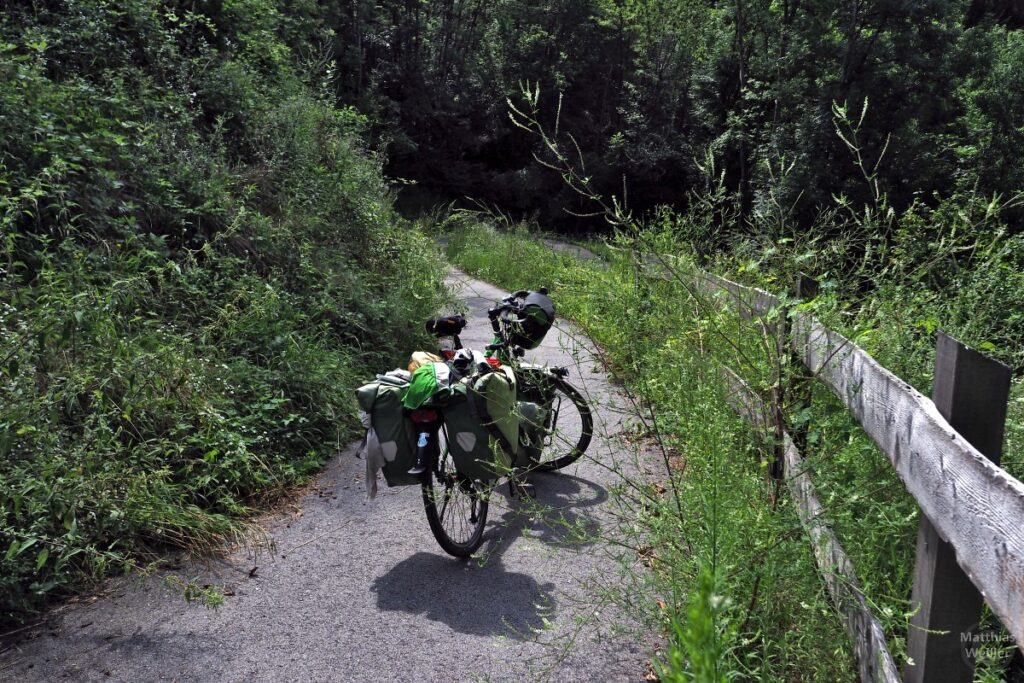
point(359, 591)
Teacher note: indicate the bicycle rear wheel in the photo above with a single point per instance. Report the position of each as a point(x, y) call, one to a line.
point(568, 426)
point(456, 506)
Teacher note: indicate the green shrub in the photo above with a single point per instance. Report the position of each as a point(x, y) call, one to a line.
point(198, 262)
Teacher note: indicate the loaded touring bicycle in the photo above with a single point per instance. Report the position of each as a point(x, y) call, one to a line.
point(459, 421)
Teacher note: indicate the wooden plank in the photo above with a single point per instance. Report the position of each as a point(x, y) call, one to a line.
point(749, 301)
point(974, 505)
point(972, 392)
point(874, 660)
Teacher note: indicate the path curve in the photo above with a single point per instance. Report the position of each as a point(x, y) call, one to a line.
point(360, 591)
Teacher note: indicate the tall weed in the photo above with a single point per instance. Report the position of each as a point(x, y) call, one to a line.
point(730, 578)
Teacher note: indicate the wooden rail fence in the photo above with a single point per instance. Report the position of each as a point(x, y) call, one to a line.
point(971, 541)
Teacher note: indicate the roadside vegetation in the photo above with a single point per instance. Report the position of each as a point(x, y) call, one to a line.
point(732, 577)
point(719, 567)
point(198, 262)
point(200, 258)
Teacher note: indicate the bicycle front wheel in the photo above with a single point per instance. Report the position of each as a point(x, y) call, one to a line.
point(569, 426)
point(456, 506)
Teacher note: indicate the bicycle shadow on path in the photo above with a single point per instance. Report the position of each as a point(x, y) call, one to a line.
point(482, 596)
point(558, 516)
point(487, 602)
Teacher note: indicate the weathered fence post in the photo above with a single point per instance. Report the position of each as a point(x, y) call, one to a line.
point(783, 362)
point(806, 290)
point(971, 392)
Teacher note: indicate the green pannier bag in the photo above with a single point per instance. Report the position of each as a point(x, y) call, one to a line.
point(395, 431)
point(533, 429)
point(482, 422)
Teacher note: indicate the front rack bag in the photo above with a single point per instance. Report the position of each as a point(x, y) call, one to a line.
point(537, 317)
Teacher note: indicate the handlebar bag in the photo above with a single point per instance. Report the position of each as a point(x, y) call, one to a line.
point(483, 426)
point(537, 317)
point(391, 439)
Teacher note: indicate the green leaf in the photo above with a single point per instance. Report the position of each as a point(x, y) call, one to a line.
point(12, 550)
point(44, 555)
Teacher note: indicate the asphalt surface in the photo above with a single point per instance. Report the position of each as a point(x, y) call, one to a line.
point(359, 590)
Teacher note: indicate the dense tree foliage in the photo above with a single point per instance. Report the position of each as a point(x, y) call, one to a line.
point(865, 142)
point(651, 86)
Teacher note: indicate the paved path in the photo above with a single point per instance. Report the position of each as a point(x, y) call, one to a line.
point(581, 253)
point(359, 590)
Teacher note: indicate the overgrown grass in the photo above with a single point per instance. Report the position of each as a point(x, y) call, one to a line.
point(732, 578)
point(198, 262)
point(664, 343)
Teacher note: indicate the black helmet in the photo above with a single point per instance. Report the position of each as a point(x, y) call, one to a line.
point(536, 317)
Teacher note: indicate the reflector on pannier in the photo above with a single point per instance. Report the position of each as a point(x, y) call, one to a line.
point(533, 324)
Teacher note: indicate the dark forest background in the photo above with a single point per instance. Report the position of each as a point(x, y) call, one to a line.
point(653, 87)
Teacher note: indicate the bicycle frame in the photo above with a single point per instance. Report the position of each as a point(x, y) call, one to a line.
point(536, 383)
point(446, 490)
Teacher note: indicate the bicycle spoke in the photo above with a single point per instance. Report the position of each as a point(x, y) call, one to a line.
point(455, 508)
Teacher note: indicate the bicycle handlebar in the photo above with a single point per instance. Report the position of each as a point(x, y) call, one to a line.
point(517, 351)
point(513, 302)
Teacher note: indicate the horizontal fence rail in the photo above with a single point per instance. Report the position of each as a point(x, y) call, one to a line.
point(974, 504)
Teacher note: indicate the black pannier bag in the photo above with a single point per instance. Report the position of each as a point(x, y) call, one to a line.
point(537, 317)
